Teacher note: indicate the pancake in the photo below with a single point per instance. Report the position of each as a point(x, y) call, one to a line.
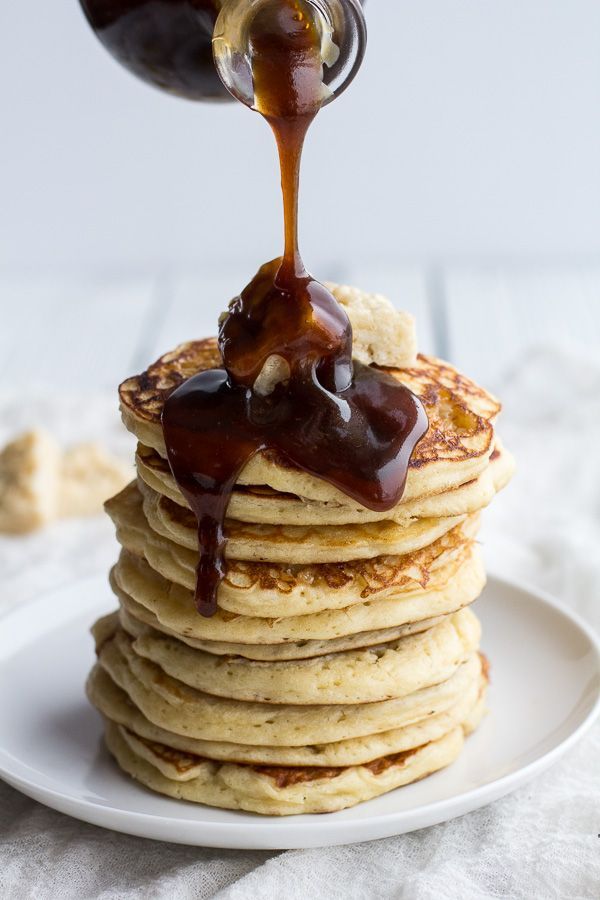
point(279, 790)
point(353, 676)
point(178, 708)
point(275, 589)
point(455, 450)
point(115, 705)
point(291, 543)
point(259, 504)
point(173, 606)
point(136, 618)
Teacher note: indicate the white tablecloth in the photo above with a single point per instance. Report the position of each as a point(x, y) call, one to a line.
point(541, 842)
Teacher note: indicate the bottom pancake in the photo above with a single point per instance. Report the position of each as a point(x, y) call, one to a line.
point(276, 790)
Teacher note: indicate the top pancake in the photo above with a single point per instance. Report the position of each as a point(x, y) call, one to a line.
point(455, 450)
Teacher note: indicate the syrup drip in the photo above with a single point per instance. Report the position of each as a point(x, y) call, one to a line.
point(352, 425)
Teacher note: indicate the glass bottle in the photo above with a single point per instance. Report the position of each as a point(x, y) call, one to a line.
point(168, 43)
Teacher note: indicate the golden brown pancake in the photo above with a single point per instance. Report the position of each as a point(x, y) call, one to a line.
point(277, 790)
point(172, 607)
point(354, 676)
point(260, 504)
point(455, 449)
point(179, 708)
point(136, 618)
point(444, 708)
point(277, 589)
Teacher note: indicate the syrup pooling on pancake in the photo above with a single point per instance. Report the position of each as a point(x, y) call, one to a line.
point(354, 426)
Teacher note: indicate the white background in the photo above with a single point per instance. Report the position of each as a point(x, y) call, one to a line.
point(472, 132)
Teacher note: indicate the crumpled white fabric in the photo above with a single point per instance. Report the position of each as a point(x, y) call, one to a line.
point(540, 842)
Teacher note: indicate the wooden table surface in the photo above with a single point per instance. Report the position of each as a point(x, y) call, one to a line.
point(87, 331)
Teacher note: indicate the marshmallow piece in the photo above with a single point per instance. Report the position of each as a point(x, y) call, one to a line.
point(382, 334)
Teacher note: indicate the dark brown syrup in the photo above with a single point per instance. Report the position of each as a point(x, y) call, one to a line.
point(352, 425)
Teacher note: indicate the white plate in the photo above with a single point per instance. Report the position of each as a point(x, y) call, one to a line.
point(544, 694)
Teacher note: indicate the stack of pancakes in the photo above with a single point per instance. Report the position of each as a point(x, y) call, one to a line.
point(343, 660)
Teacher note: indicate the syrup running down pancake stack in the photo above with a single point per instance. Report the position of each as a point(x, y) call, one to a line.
point(343, 659)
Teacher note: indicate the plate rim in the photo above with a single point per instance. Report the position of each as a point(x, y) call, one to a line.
point(259, 835)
